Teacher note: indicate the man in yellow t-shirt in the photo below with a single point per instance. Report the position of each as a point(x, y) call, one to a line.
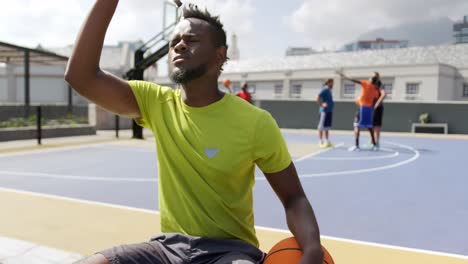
point(208, 144)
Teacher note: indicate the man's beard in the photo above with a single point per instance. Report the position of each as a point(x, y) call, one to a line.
point(186, 75)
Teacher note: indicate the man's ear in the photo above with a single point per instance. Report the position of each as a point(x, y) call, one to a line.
point(221, 55)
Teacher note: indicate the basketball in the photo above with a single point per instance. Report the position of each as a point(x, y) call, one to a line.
point(227, 83)
point(327, 258)
point(288, 251)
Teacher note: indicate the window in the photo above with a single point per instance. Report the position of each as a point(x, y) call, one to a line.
point(349, 89)
point(235, 87)
point(296, 90)
point(388, 88)
point(365, 45)
point(251, 88)
point(412, 88)
point(278, 89)
point(465, 90)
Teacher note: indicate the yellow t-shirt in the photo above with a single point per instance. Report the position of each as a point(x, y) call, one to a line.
point(206, 158)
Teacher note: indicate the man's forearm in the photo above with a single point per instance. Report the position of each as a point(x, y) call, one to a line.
point(379, 101)
point(302, 223)
point(84, 60)
point(349, 79)
point(377, 104)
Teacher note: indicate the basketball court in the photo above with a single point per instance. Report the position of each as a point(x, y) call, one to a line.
point(406, 203)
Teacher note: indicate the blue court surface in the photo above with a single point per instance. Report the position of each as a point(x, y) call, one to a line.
point(412, 193)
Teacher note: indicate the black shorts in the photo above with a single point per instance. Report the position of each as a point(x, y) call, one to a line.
point(177, 248)
point(378, 116)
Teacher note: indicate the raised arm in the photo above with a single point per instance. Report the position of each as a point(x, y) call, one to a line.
point(349, 79)
point(83, 72)
point(299, 214)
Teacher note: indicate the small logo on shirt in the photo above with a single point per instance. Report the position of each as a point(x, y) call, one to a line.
point(211, 152)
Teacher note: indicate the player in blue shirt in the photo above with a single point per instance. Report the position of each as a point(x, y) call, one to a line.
point(325, 100)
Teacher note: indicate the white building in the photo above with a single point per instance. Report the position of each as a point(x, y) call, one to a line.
point(299, 51)
point(376, 44)
point(460, 31)
point(233, 50)
point(47, 84)
point(429, 74)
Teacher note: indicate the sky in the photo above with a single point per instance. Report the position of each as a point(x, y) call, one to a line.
point(265, 28)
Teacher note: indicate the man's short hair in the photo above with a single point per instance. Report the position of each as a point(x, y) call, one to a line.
point(219, 35)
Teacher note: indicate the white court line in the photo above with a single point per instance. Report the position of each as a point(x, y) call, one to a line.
point(364, 243)
point(51, 150)
point(76, 200)
point(129, 149)
point(141, 210)
point(386, 167)
point(104, 145)
point(75, 177)
point(133, 179)
point(389, 156)
point(106, 179)
point(318, 152)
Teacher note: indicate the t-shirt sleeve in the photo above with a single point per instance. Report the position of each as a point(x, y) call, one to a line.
point(270, 149)
point(147, 95)
point(364, 84)
point(322, 94)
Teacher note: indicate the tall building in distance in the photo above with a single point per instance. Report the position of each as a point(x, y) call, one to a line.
point(376, 44)
point(233, 50)
point(460, 31)
point(299, 51)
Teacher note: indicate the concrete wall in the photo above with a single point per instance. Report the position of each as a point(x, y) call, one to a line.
point(264, 89)
point(44, 90)
point(398, 116)
point(461, 79)
point(106, 120)
point(3, 88)
point(48, 111)
point(448, 88)
point(47, 85)
point(7, 134)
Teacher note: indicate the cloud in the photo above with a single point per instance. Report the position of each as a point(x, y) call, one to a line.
point(237, 17)
point(31, 22)
point(335, 22)
point(57, 22)
point(135, 20)
point(54, 23)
